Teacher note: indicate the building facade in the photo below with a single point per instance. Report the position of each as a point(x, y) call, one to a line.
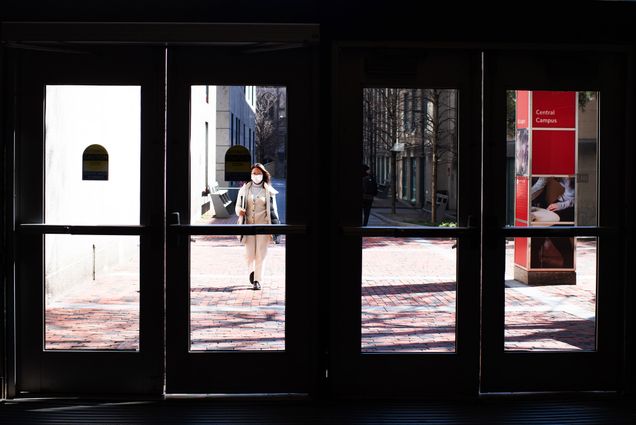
point(420, 124)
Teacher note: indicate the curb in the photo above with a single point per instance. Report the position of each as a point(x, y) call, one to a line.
point(389, 221)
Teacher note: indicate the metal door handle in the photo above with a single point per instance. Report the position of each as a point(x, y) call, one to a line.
point(174, 218)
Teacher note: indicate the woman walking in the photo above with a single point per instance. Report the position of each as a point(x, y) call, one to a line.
point(256, 203)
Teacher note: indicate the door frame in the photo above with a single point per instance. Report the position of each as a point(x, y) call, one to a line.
point(353, 373)
point(292, 370)
point(64, 38)
point(46, 35)
point(603, 70)
point(83, 371)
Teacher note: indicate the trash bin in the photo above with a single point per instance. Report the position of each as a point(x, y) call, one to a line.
point(383, 190)
point(441, 201)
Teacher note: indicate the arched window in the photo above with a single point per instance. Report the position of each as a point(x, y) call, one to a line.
point(95, 163)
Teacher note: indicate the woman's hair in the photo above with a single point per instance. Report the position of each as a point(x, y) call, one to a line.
point(267, 178)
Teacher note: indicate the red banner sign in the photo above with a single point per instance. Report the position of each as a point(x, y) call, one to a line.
point(554, 109)
point(554, 152)
point(545, 171)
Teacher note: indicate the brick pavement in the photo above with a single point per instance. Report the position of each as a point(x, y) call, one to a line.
point(408, 295)
point(554, 318)
point(226, 313)
point(408, 303)
point(99, 315)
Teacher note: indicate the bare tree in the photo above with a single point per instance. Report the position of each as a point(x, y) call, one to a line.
point(268, 123)
point(382, 121)
point(438, 121)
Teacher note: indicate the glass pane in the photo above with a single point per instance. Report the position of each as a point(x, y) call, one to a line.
point(92, 158)
point(409, 288)
point(91, 291)
point(552, 140)
point(557, 311)
point(409, 154)
point(226, 313)
point(232, 129)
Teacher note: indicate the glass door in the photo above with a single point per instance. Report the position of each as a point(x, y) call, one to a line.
point(405, 268)
point(88, 220)
point(242, 139)
point(551, 311)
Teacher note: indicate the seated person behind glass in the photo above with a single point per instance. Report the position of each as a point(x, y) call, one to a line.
point(556, 194)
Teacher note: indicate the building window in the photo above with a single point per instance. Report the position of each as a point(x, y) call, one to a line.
point(406, 113)
point(412, 107)
point(413, 180)
point(207, 155)
point(95, 163)
point(404, 179)
point(237, 136)
point(385, 168)
point(423, 113)
point(231, 129)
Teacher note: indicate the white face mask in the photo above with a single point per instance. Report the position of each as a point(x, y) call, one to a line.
point(257, 178)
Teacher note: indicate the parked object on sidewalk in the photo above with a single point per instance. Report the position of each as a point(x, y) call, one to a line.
point(220, 201)
point(441, 203)
point(383, 190)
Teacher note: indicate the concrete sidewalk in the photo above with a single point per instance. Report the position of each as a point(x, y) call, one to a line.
point(405, 214)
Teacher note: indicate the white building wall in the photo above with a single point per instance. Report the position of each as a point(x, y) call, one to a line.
point(76, 117)
point(202, 112)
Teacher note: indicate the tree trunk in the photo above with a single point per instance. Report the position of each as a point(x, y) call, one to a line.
point(434, 184)
point(393, 180)
point(261, 153)
point(394, 140)
point(434, 159)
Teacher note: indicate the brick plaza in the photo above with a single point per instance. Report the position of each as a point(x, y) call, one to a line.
point(408, 302)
